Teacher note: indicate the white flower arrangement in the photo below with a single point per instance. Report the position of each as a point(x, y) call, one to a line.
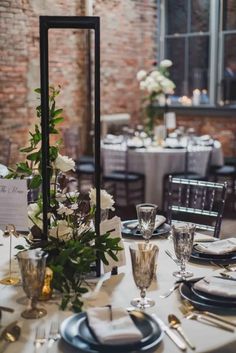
point(107, 200)
point(64, 163)
point(156, 82)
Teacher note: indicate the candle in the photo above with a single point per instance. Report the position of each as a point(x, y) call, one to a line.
point(196, 96)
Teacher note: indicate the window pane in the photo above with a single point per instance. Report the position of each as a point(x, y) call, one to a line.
point(200, 15)
point(175, 52)
point(229, 48)
point(198, 63)
point(228, 84)
point(176, 16)
point(229, 14)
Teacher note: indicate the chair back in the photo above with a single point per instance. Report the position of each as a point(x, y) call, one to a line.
point(5, 151)
point(196, 156)
point(198, 202)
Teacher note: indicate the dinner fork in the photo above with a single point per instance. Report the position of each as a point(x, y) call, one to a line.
point(171, 290)
point(40, 337)
point(54, 333)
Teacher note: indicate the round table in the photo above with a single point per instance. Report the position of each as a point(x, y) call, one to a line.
point(116, 290)
point(156, 162)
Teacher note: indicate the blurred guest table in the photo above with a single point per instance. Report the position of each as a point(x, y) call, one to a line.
point(156, 161)
point(116, 290)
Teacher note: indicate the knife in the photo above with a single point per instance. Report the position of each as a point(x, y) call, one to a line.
point(172, 335)
point(226, 276)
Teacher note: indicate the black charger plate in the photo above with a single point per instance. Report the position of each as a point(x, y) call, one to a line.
point(74, 331)
point(210, 304)
point(131, 233)
point(223, 258)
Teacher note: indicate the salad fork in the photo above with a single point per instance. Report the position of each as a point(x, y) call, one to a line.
point(54, 333)
point(40, 337)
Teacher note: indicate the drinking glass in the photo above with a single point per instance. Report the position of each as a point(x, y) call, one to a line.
point(32, 265)
point(143, 259)
point(146, 213)
point(183, 235)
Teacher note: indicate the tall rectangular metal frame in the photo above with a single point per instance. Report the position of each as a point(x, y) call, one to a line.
point(68, 22)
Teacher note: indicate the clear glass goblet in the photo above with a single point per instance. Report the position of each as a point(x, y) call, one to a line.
point(146, 213)
point(32, 265)
point(143, 259)
point(183, 236)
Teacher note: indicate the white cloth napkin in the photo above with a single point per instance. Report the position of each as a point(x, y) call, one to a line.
point(200, 237)
point(158, 222)
point(119, 330)
point(217, 286)
point(219, 247)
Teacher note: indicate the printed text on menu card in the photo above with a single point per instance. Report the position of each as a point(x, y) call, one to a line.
point(13, 204)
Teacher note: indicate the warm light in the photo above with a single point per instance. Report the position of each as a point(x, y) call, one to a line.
point(184, 100)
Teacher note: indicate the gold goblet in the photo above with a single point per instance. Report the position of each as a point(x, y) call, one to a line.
point(32, 266)
point(143, 259)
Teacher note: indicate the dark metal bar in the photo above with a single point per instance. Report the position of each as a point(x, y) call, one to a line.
point(97, 132)
point(80, 22)
point(44, 122)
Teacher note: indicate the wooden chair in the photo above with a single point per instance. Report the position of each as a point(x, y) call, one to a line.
point(189, 172)
point(199, 202)
point(129, 187)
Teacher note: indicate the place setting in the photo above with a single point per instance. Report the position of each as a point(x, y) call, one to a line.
point(148, 224)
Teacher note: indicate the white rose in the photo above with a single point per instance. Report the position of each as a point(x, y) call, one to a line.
point(166, 63)
point(64, 210)
point(61, 231)
point(155, 74)
point(167, 86)
point(34, 216)
point(64, 163)
point(107, 201)
point(154, 87)
point(141, 75)
point(143, 85)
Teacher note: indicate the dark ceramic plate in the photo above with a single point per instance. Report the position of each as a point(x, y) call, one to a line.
point(215, 256)
point(224, 259)
point(75, 332)
point(198, 301)
point(146, 324)
point(129, 232)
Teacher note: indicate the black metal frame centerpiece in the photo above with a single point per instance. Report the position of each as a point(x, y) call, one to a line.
point(77, 22)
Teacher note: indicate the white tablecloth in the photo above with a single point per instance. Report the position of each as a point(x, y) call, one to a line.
point(156, 162)
point(119, 290)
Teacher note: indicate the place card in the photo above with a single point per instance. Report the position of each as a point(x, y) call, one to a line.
point(113, 226)
point(13, 204)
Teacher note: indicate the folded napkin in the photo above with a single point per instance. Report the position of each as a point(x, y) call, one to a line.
point(200, 237)
point(158, 222)
point(114, 329)
point(219, 247)
point(217, 286)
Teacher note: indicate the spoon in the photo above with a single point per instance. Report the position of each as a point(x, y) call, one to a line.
point(176, 324)
point(11, 333)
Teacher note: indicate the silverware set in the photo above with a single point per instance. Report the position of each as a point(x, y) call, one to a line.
point(41, 338)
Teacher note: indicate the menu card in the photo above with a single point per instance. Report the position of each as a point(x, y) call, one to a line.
point(113, 226)
point(13, 204)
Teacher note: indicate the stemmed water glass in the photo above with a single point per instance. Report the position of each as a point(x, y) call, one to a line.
point(32, 265)
point(183, 236)
point(146, 213)
point(143, 259)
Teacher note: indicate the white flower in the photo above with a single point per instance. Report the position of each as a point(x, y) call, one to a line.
point(64, 163)
point(74, 206)
point(61, 231)
point(155, 74)
point(141, 75)
point(72, 195)
point(60, 197)
point(34, 216)
point(168, 86)
point(107, 201)
point(64, 210)
point(166, 63)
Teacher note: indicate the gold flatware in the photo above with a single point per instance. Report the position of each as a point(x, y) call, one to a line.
point(5, 308)
point(11, 333)
point(208, 320)
point(176, 324)
point(187, 308)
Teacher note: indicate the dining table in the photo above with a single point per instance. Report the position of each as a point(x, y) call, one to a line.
point(157, 161)
point(116, 290)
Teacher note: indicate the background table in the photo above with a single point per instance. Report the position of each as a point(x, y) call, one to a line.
point(156, 162)
point(118, 290)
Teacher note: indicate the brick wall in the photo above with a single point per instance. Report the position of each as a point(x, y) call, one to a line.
point(19, 65)
point(128, 44)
